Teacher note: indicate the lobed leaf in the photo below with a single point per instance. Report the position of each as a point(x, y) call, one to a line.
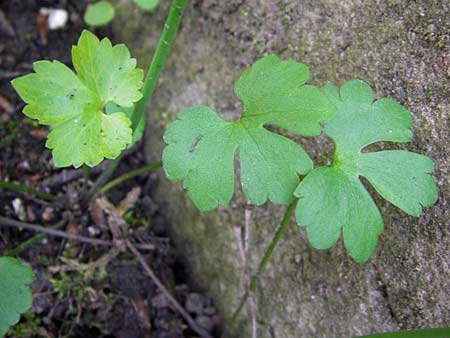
point(74, 104)
point(202, 146)
point(15, 295)
point(333, 198)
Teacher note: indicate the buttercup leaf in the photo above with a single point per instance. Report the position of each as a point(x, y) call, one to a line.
point(15, 295)
point(333, 198)
point(74, 104)
point(202, 145)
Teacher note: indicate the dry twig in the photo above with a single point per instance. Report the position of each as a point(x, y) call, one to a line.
point(192, 323)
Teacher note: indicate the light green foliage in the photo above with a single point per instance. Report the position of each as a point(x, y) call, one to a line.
point(15, 296)
point(202, 145)
point(112, 108)
point(147, 4)
point(74, 104)
point(333, 197)
point(99, 13)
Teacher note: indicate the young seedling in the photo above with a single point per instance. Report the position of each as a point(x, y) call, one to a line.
point(201, 147)
point(88, 110)
point(102, 12)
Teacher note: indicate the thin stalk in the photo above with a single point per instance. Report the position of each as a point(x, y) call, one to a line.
point(157, 64)
point(267, 255)
point(33, 240)
point(425, 333)
point(102, 179)
point(18, 187)
point(129, 175)
point(160, 57)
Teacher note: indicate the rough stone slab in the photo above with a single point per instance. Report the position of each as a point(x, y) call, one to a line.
point(401, 48)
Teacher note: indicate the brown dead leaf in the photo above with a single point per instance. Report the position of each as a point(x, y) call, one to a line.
point(42, 23)
point(72, 228)
point(129, 201)
point(142, 311)
point(40, 133)
point(6, 105)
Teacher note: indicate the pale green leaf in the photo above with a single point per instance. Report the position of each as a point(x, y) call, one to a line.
point(147, 5)
point(89, 138)
point(128, 111)
point(15, 295)
point(54, 93)
point(99, 13)
point(333, 198)
point(202, 146)
point(74, 104)
point(108, 71)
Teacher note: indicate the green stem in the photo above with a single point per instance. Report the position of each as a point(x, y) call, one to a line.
point(33, 240)
point(128, 175)
point(158, 61)
point(267, 255)
point(425, 333)
point(17, 187)
point(160, 57)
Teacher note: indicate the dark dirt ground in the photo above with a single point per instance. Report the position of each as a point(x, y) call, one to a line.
point(80, 290)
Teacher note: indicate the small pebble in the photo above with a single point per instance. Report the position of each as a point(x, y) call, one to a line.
point(57, 17)
point(195, 303)
point(205, 322)
point(160, 301)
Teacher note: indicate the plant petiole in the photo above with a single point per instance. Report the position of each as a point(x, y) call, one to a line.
point(267, 255)
point(158, 61)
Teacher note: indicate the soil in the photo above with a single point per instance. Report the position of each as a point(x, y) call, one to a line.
point(81, 290)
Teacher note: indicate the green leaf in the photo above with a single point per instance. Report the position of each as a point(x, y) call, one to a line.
point(99, 13)
point(147, 4)
point(202, 146)
point(74, 104)
point(15, 295)
point(112, 108)
point(333, 198)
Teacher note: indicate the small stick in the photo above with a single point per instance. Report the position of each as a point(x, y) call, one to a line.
point(192, 323)
point(57, 233)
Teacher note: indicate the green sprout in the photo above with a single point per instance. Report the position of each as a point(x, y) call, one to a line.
point(102, 12)
point(201, 147)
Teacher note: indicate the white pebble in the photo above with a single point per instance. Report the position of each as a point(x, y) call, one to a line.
point(57, 18)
